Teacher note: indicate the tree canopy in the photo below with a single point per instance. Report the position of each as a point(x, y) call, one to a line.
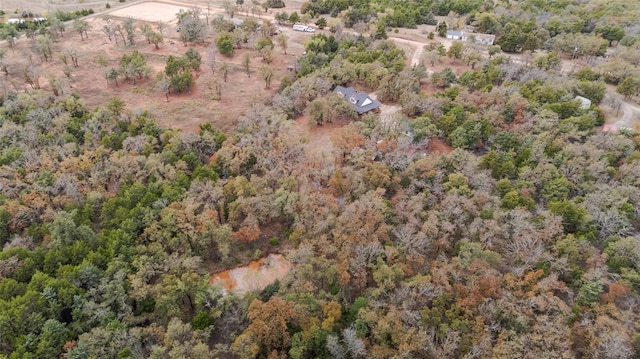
point(481, 213)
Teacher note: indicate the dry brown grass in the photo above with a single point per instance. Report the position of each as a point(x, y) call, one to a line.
point(183, 111)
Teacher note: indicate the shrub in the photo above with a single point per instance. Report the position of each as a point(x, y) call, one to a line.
point(201, 320)
point(263, 42)
point(225, 44)
point(182, 82)
point(275, 4)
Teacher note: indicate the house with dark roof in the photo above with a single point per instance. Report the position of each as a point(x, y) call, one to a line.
point(361, 102)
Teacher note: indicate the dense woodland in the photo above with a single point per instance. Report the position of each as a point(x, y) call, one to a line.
point(522, 242)
point(520, 26)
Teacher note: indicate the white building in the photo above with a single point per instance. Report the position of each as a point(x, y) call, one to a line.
point(454, 35)
point(484, 39)
point(585, 103)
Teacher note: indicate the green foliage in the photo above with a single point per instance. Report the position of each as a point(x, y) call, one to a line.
point(590, 293)
point(514, 199)
point(145, 305)
point(321, 23)
point(583, 122)
point(628, 87)
point(549, 61)
point(5, 231)
point(594, 91)
point(193, 59)
point(441, 29)
point(353, 310)
point(134, 66)
point(623, 255)
point(458, 183)
point(202, 320)
point(179, 65)
point(111, 226)
point(179, 70)
point(224, 43)
point(512, 38)
point(587, 74)
point(471, 133)
point(487, 23)
point(470, 251)
point(500, 163)
point(72, 15)
point(262, 43)
point(53, 336)
point(609, 32)
point(574, 218)
point(566, 109)
point(381, 31)
point(294, 18)
point(10, 155)
point(422, 128)
point(321, 43)
point(275, 4)
point(455, 50)
point(282, 17)
point(269, 291)
point(556, 190)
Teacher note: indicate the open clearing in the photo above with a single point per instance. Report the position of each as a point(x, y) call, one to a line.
point(183, 111)
point(187, 111)
point(257, 275)
point(150, 11)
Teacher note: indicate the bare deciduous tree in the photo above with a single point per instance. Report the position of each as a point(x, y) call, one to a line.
point(224, 69)
point(282, 40)
point(211, 58)
point(246, 63)
point(81, 26)
point(31, 74)
point(266, 74)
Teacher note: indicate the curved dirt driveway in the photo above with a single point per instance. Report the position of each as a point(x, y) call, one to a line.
point(630, 116)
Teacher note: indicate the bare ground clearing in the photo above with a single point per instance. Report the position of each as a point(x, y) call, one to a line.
point(183, 111)
point(257, 275)
point(42, 7)
point(188, 111)
point(150, 11)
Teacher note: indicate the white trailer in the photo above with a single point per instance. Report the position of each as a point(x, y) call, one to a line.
point(300, 27)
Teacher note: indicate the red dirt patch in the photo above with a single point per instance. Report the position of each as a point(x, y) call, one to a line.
point(225, 279)
point(255, 276)
point(436, 145)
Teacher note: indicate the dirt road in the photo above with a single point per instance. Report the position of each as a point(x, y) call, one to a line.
point(630, 117)
point(415, 58)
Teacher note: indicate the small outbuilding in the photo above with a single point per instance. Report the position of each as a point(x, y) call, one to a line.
point(454, 35)
point(585, 103)
point(484, 39)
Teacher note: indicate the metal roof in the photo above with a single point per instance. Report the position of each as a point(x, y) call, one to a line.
point(361, 101)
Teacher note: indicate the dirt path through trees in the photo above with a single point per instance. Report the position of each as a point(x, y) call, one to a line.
point(417, 54)
point(630, 116)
